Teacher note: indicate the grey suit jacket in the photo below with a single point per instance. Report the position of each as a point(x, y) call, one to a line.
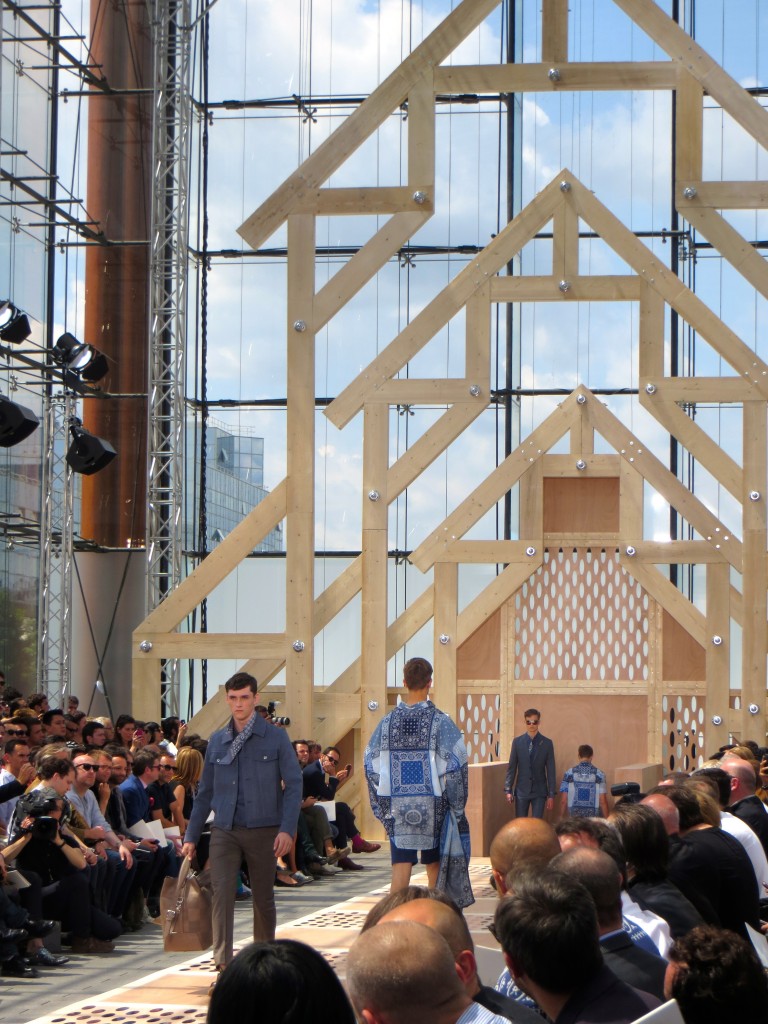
point(537, 779)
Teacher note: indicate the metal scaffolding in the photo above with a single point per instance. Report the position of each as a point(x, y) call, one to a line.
point(56, 552)
point(167, 335)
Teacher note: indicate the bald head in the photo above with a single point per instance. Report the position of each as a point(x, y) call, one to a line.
point(666, 810)
point(743, 773)
point(522, 845)
point(442, 919)
point(403, 972)
point(599, 875)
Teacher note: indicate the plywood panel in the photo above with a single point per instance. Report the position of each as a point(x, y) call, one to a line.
point(581, 505)
point(682, 658)
point(479, 655)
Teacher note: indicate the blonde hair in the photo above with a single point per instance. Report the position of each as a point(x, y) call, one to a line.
point(189, 768)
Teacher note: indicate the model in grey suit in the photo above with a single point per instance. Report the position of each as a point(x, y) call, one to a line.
point(531, 779)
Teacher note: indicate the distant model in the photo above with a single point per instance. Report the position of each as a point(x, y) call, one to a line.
point(531, 778)
point(416, 767)
point(582, 791)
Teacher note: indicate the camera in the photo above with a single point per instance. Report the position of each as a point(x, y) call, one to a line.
point(45, 828)
point(277, 719)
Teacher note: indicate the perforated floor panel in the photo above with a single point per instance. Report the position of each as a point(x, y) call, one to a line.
point(178, 994)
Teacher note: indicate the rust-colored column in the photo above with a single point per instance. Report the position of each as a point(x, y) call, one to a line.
point(117, 277)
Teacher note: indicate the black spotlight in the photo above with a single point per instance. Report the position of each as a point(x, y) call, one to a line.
point(14, 325)
point(16, 422)
point(87, 454)
point(80, 358)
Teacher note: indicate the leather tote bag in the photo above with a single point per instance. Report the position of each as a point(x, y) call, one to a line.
point(185, 907)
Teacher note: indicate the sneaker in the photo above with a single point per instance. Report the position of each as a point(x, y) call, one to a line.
point(91, 945)
point(337, 855)
point(360, 845)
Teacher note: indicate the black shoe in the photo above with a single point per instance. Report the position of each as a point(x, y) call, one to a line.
point(39, 929)
point(17, 968)
point(13, 934)
point(45, 958)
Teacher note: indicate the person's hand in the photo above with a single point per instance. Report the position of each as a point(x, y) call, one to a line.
point(309, 801)
point(91, 857)
point(550, 803)
point(104, 789)
point(188, 850)
point(149, 844)
point(3, 868)
point(342, 776)
point(283, 844)
point(510, 797)
point(97, 832)
point(27, 773)
point(183, 730)
point(125, 855)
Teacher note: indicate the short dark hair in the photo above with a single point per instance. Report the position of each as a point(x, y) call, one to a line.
point(48, 716)
point(17, 741)
point(123, 720)
point(718, 978)
point(52, 765)
point(645, 840)
point(241, 681)
point(292, 980)
point(297, 743)
point(686, 803)
point(327, 750)
point(585, 750)
point(144, 759)
point(534, 711)
point(721, 781)
point(34, 700)
point(90, 728)
point(548, 928)
point(417, 673)
point(170, 727)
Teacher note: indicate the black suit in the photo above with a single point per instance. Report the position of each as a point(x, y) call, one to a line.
point(634, 965)
point(315, 785)
point(666, 900)
point(751, 811)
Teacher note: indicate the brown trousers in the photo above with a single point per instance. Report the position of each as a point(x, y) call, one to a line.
point(228, 850)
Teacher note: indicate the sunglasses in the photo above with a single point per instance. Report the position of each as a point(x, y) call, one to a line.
point(333, 760)
point(16, 732)
point(167, 767)
point(88, 767)
point(531, 721)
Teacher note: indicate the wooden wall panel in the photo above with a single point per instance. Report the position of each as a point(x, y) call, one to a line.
point(682, 657)
point(581, 505)
point(479, 657)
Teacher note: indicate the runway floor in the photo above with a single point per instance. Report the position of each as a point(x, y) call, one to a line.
point(140, 984)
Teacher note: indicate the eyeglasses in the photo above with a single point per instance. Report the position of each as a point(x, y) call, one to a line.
point(331, 759)
point(167, 767)
point(531, 721)
point(16, 732)
point(88, 767)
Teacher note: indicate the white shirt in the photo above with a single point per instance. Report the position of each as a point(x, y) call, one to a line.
point(749, 840)
point(475, 1013)
point(655, 927)
point(6, 809)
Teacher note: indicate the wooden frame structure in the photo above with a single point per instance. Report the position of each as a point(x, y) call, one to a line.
point(355, 701)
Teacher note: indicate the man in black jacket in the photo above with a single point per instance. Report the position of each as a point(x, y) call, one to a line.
point(599, 875)
point(744, 804)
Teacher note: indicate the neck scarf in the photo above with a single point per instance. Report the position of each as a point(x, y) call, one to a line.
point(242, 736)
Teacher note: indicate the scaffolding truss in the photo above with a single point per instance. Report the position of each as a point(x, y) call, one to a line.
point(167, 335)
point(56, 553)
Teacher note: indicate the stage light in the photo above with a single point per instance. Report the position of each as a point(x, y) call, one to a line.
point(80, 358)
point(87, 453)
point(16, 422)
point(14, 324)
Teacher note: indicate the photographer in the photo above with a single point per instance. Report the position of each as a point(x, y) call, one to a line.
point(40, 845)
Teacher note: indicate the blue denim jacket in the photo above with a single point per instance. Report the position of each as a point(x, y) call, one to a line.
point(268, 762)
